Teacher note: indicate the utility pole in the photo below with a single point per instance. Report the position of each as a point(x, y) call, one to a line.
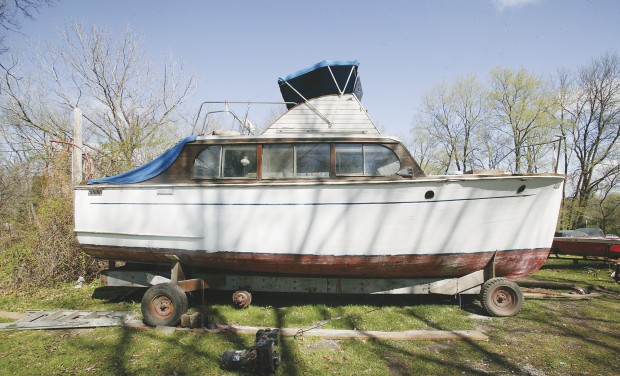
point(77, 150)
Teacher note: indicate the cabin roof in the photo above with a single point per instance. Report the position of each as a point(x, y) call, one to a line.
point(303, 137)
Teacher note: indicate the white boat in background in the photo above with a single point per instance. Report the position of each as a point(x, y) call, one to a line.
point(319, 193)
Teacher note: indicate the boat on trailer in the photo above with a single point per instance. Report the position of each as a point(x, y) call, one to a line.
point(320, 195)
point(587, 243)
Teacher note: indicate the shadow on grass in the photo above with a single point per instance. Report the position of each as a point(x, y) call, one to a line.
point(593, 334)
point(282, 300)
point(574, 264)
point(112, 294)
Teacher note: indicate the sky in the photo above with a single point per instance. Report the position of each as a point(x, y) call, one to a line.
point(238, 49)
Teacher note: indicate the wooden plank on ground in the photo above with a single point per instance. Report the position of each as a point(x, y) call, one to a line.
point(567, 296)
point(407, 335)
point(530, 282)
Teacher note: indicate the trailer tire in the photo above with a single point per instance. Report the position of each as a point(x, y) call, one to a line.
point(163, 304)
point(501, 297)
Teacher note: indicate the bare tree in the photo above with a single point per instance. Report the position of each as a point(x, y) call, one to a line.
point(30, 119)
point(592, 127)
point(10, 13)
point(424, 148)
point(131, 110)
point(565, 96)
point(439, 121)
point(520, 104)
point(451, 115)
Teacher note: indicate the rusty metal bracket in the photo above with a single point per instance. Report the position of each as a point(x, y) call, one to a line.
point(177, 277)
point(489, 270)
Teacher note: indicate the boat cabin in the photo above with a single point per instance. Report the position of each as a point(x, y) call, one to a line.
point(213, 159)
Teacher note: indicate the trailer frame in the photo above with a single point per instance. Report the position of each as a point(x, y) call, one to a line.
point(162, 307)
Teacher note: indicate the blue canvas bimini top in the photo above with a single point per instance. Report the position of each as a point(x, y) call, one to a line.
point(148, 170)
point(329, 77)
point(324, 63)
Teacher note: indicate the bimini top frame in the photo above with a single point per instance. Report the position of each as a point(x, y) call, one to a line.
point(328, 77)
point(325, 99)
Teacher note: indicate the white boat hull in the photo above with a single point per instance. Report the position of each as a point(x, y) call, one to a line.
point(371, 228)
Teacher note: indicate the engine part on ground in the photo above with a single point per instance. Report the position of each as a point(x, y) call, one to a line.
point(261, 358)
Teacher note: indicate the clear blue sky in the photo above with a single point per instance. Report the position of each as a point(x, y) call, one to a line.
point(238, 49)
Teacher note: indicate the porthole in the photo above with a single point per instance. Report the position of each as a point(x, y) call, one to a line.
point(521, 189)
point(429, 194)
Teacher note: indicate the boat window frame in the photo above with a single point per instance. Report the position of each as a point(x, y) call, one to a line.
point(257, 157)
point(329, 161)
point(364, 172)
point(223, 166)
point(293, 177)
point(219, 167)
point(331, 145)
point(295, 161)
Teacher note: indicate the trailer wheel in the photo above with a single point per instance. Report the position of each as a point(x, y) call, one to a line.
point(242, 298)
point(163, 304)
point(501, 297)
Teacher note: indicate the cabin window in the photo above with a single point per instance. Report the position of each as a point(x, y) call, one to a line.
point(380, 161)
point(365, 159)
point(282, 161)
point(278, 161)
point(312, 160)
point(239, 161)
point(349, 159)
point(233, 161)
point(207, 163)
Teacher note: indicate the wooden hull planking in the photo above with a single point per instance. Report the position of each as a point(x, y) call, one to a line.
point(510, 264)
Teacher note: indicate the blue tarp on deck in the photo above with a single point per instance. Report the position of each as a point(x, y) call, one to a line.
point(148, 170)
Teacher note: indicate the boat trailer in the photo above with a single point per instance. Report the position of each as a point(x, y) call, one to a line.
point(165, 301)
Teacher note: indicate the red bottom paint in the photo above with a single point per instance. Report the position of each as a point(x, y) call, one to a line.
point(587, 247)
point(511, 264)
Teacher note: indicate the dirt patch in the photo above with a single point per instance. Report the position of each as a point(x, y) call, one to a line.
point(530, 370)
point(324, 344)
point(397, 366)
point(438, 346)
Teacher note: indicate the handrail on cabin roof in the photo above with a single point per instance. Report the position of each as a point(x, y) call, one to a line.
point(227, 103)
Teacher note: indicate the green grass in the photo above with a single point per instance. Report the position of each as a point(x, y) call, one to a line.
point(551, 337)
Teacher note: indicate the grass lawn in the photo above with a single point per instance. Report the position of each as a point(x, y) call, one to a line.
point(548, 337)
